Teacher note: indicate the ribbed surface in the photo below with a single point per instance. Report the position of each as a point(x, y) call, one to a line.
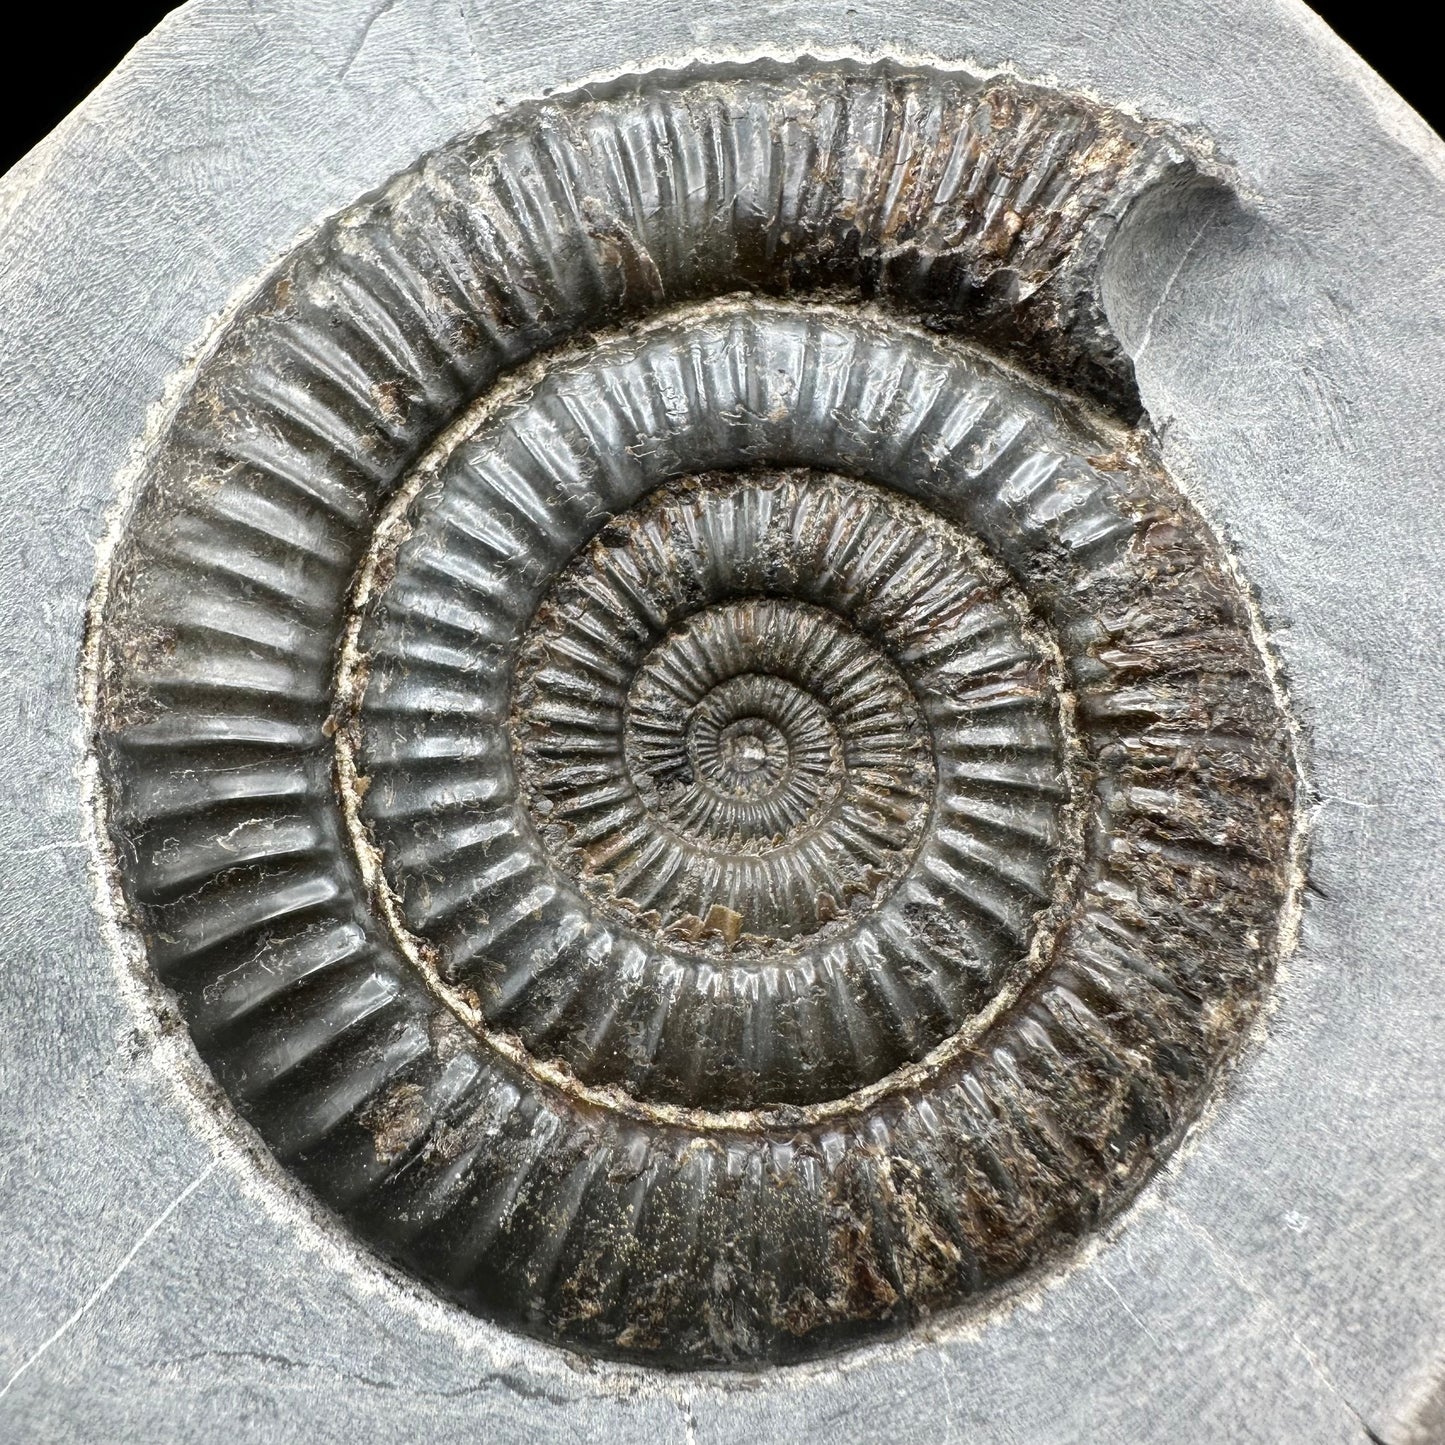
point(601, 923)
point(977, 207)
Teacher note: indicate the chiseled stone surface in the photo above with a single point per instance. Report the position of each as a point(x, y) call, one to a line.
point(1279, 1281)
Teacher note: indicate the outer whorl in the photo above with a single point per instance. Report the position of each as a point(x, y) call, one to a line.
point(686, 770)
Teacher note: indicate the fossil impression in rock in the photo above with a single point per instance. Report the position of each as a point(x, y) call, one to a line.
point(681, 758)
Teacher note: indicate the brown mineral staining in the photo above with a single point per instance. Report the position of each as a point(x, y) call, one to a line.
point(721, 922)
point(396, 1120)
point(391, 400)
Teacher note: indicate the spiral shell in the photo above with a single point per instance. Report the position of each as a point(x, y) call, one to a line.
point(681, 784)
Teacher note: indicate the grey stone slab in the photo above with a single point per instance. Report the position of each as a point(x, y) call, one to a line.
point(1282, 1281)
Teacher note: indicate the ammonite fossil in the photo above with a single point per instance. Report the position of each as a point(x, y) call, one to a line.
point(685, 765)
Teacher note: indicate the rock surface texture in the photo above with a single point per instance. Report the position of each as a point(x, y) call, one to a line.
point(729, 781)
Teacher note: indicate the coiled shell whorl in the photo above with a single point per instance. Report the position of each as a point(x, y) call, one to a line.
point(685, 768)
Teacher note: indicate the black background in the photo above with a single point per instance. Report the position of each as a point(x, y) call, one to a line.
point(67, 53)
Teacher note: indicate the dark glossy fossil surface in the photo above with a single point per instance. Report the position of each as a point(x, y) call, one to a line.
point(686, 765)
